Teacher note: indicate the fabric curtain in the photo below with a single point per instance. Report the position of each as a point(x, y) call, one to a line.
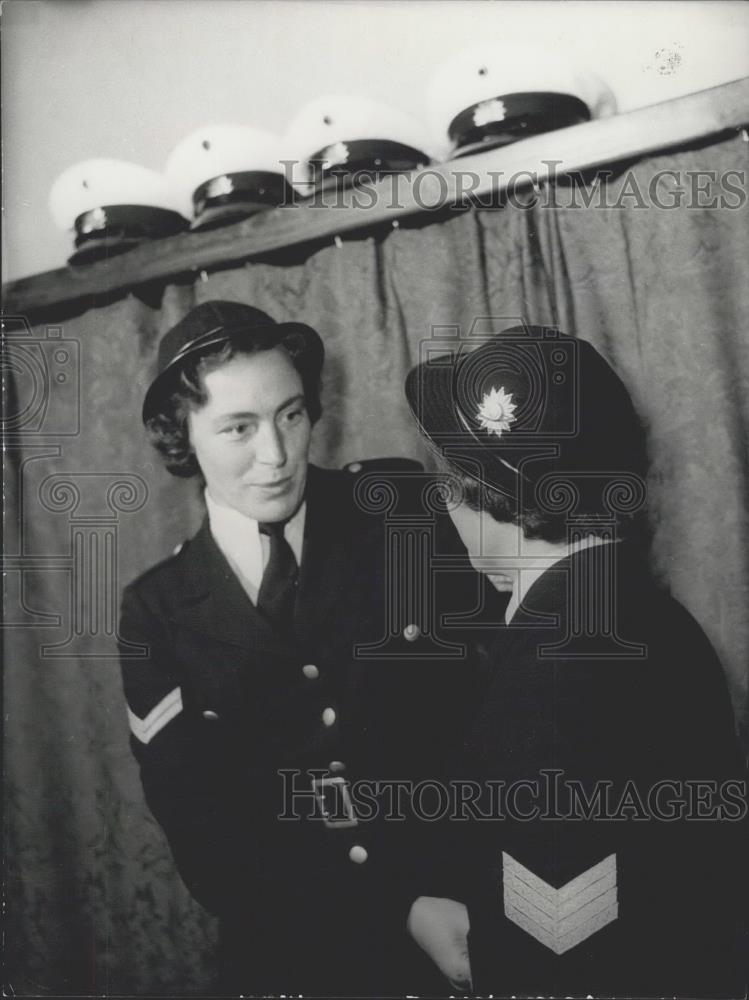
point(93, 902)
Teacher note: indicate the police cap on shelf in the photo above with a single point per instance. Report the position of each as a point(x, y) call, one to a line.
point(526, 403)
point(215, 322)
point(338, 137)
point(496, 93)
point(112, 206)
point(224, 173)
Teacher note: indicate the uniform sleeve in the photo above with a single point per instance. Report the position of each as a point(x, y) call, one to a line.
point(183, 786)
point(548, 893)
point(467, 608)
point(582, 877)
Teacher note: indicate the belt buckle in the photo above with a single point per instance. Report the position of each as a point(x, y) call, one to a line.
point(341, 816)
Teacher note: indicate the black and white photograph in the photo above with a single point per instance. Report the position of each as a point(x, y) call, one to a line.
point(375, 430)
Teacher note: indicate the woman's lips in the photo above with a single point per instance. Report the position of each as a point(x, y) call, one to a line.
point(279, 486)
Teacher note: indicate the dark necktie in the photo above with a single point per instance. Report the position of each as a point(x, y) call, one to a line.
point(278, 586)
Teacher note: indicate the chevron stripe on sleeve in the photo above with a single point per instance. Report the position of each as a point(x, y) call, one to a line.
point(167, 709)
point(560, 918)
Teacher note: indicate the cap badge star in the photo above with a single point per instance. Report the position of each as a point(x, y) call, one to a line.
point(335, 154)
point(489, 111)
point(95, 219)
point(219, 186)
point(496, 412)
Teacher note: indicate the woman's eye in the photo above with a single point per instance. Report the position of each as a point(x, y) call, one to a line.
point(293, 416)
point(235, 430)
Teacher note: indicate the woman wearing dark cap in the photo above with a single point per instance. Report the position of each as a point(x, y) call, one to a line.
point(250, 706)
point(601, 858)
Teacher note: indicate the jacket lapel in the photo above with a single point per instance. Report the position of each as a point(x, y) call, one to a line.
point(213, 600)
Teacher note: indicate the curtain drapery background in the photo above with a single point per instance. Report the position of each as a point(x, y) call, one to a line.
point(93, 903)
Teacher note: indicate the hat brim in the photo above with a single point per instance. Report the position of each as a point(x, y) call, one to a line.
point(225, 215)
point(98, 249)
point(311, 346)
point(493, 142)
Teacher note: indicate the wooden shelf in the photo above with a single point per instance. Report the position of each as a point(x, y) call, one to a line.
point(592, 144)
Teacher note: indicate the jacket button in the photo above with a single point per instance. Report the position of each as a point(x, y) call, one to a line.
point(336, 766)
point(358, 854)
point(310, 670)
point(210, 716)
point(328, 716)
point(411, 632)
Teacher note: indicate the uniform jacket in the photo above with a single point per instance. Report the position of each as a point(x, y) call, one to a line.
point(220, 703)
point(601, 677)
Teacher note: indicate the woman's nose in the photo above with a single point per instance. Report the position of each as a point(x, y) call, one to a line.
point(270, 446)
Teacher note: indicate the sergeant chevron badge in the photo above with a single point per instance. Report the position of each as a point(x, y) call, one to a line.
point(560, 918)
point(166, 710)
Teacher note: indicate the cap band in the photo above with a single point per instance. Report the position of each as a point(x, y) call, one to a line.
point(342, 160)
point(127, 221)
point(505, 119)
point(216, 336)
point(251, 189)
point(207, 340)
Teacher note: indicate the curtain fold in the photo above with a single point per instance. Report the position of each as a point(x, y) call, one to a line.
point(93, 903)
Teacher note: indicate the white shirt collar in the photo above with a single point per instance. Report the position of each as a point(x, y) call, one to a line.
point(245, 549)
point(526, 577)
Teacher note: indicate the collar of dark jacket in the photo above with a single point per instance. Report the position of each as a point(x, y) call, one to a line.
point(209, 598)
point(615, 572)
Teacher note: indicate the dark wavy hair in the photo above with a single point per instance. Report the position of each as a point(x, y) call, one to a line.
point(535, 522)
point(185, 391)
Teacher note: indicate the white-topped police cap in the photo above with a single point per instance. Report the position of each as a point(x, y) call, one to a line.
point(224, 173)
point(495, 93)
point(337, 136)
point(112, 205)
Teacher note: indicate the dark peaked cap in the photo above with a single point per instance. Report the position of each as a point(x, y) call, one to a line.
point(214, 323)
point(566, 411)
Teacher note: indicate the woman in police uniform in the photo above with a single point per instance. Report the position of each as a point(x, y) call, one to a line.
point(600, 685)
point(245, 695)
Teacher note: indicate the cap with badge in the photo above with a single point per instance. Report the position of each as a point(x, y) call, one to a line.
point(494, 94)
point(112, 206)
point(225, 173)
point(338, 137)
point(527, 403)
point(215, 322)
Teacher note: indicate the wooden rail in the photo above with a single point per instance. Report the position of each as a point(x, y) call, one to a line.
point(591, 144)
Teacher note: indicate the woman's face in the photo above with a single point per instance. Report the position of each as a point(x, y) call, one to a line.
point(251, 437)
point(492, 546)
